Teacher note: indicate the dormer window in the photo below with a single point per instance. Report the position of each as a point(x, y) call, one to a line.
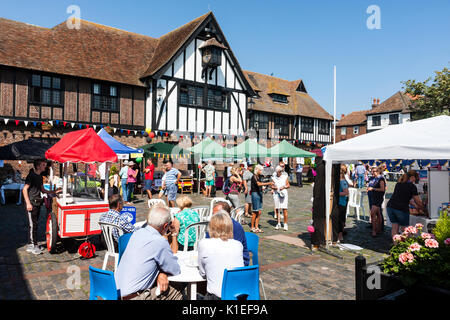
point(281, 98)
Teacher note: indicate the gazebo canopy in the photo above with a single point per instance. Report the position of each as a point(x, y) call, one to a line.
point(199, 147)
point(119, 148)
point(161, 149)
point(209, 149)
point(248, 148)
point(81, 146)
point(285, 149)
point(30, 149)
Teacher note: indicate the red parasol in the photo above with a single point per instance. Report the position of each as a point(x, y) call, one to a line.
point(81, 146)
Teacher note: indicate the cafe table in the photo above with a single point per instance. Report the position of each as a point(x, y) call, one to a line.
point(190, 274)
point(11, 186)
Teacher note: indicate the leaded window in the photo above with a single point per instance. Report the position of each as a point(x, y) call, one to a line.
point(46, 90)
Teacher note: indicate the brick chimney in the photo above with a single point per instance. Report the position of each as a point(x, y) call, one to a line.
point(375, 103)
point(342, 116)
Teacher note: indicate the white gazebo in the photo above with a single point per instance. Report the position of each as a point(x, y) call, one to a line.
point(427, 139)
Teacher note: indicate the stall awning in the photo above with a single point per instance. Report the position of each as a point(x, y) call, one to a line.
point(81, 146)
point(248, 148)
point(285, 149)
point(165, 150)
point(422, 139)
point(119, 148)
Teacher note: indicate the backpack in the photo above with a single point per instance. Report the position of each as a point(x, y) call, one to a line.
point(226, 186)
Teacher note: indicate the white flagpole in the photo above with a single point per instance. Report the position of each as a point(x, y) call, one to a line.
point(334, 122)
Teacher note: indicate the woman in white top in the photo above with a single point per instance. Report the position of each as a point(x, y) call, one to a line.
point(217, 253)
point(280, 196)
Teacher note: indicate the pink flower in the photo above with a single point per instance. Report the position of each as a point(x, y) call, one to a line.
point(406, 257)
point(414, 247)
point(410, 230)
point(447, 241)
point(431, 243)
point(426, 236)
point(419, 226)
point(398, 238)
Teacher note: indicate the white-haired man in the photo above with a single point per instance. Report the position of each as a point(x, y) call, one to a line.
point(148, 261)
point(280, 195)
point(210, 174)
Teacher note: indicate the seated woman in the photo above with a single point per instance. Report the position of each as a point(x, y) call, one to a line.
point(181, 221)
point(217, 253)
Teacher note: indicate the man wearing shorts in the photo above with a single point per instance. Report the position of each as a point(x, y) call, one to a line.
point(171, 182)
point(148, 177)
point(209, 171)
point(280, 195)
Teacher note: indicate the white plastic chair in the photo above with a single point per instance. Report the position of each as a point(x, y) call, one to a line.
point(200, 233)
point(152, 202)
point(237, 213)
point(203, 212)
point(107, 229)
point(354, 201)
point(214, 201)
point(384, 212)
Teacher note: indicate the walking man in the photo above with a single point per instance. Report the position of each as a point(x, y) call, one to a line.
point(32, 195)
point(148, 177)
point(299, 171)
point(171, 182)
point(209, 171)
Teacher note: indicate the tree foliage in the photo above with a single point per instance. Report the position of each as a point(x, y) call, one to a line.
point(430, 100)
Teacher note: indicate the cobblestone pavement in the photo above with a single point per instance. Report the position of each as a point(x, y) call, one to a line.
point(289, 270)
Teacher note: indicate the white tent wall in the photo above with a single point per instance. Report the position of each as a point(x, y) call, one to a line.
point(427, 139)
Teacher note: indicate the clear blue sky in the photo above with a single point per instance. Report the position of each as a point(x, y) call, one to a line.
point(292, 38)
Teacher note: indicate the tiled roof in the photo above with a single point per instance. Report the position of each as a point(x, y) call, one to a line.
point(352, 119)
point(92, 51)
point(299, 103)
point(398, 102)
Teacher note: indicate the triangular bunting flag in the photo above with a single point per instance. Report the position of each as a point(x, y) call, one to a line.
point(114, 130)
point(57, 122)
point(72, 124)
point(51, 123)
point(80, 125)
point(17, 122)
point(94, 126)
point(64, 123)
point(135, 132)
point(87, 126)
point(34, 123)
point(26, 123)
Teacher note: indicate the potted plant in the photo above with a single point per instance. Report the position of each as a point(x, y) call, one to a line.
point(422, 260)
point(46, 126)
point(418, 265)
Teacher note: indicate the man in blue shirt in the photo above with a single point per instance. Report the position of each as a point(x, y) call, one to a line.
point(171, 182)
point(238, 231)
point(360, 174)
point(148, 260)
point(114, 217)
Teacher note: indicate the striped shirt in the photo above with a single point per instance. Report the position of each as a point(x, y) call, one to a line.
point(171, 176)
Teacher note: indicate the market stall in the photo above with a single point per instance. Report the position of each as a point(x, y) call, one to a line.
point(122, 151)
point(427, 139)
point(77, 210)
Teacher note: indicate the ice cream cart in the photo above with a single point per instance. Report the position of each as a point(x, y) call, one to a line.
point(76, 211)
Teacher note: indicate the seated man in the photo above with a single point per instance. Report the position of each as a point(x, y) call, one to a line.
point(147, 262)
point(114, 217)
point(238, 230)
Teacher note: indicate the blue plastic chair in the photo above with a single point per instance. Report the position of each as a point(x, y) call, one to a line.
point(241, 283)
point(123, 242)
point(253, 245)
point(102, 284)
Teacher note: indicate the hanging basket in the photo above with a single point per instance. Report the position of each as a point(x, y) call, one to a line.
point(46, 126)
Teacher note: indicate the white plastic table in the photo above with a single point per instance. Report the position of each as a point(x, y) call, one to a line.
point(189, 274)
point(12, 186)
